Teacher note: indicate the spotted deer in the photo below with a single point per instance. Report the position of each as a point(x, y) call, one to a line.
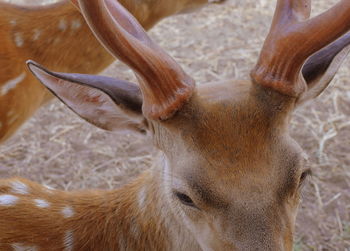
point(57, 36)
point(230, 175)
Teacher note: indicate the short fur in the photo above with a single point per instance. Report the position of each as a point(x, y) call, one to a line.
point(53, 35)
point(230, 175)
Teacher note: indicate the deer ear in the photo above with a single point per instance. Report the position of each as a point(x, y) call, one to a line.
point(107, 103)
point(320, 68)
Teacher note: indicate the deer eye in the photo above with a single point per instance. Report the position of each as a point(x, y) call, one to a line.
point(185, 199)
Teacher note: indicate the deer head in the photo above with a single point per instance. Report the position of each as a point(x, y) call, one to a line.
point(231, 173)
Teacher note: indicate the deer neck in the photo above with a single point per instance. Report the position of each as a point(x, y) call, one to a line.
point(137, 215)
point(152, 223)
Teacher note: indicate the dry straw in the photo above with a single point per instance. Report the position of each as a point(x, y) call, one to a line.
point(218, 43)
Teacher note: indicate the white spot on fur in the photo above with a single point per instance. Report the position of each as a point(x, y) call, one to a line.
point(8, 200)
point(42, 203)
point(67, 212)
point(11, 84)
point(141, 198)
point(21, 247)
point(13, 22)
point(76, 24)
point(18, 38)
point(62, 25)
point(19, 187)
point(12, 119)
point(36, 34)
point(68, 241)
point(135, 230)
point(49, 189)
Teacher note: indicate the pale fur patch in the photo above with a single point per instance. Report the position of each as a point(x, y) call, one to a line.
point(76, 24)
point(8, 200)
point(42, 203)
point(21, 247)
point(67, 212)
point(13, 22)
point(19, 187)
point(49, 189)
point(142, 197)
point(11, 84)
point(12, 119)
point(68, 241)
point(18, 38)
point(36, 34)
point(62, 25)
point(135, 230)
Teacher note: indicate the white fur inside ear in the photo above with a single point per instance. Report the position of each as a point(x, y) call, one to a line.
point(90, 103)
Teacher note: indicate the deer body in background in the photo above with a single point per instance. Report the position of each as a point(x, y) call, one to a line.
point(230, 176)
point(57, 36)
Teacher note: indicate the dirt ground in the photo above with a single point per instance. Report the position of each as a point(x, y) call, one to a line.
point(219, 42)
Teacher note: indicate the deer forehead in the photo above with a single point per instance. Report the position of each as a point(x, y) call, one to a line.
point(228, 123)
point(235, 107)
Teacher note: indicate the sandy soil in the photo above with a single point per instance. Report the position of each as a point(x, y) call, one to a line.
point(220, 42)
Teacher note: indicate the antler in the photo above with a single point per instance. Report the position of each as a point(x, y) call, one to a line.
point(293, 38)
point(165, 86)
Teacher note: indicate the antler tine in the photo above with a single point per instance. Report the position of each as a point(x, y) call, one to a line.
point(293, 38)
point(165, 86)
point(329, 26)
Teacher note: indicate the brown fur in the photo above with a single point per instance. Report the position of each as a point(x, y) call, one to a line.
point(107, 216)
point(70, 49)
point(230, 179)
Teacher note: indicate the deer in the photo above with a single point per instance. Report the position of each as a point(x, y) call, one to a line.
point(229, 175)
point(54, 35)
